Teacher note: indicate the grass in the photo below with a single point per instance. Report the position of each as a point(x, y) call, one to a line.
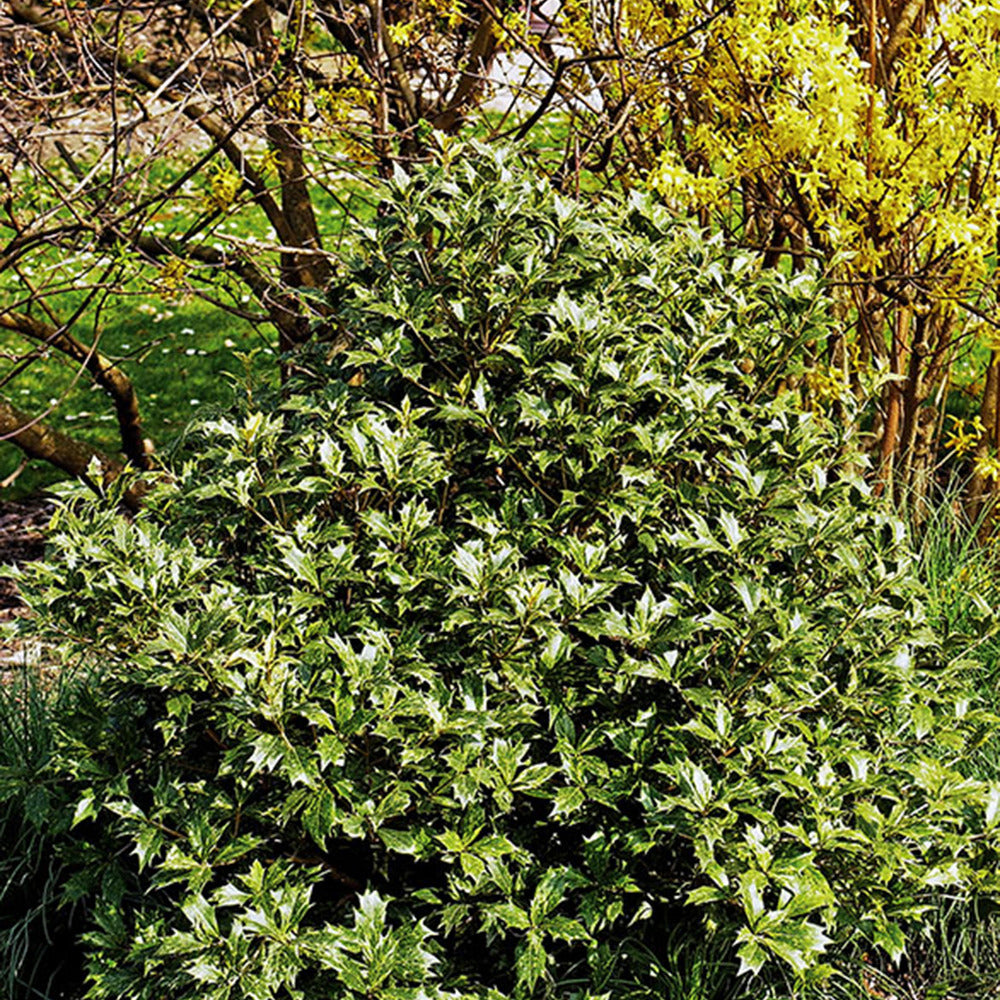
point(178, 349)
point(36, 920)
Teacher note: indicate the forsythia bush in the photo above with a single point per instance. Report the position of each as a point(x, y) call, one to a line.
point(540, 620)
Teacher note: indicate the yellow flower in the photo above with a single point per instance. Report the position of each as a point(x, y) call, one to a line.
point(988, 466)
point(826, 383)
point(961, 440)
point(223, 188)
point(172, 277)
point(268, 162)
point(401, 32)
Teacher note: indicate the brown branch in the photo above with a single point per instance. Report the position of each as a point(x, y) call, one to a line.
point(209, 123)
point(907, 18)
point(284, 136)
point(473, 77)
point(104, 373)
point(395, 59)
point(77, 458)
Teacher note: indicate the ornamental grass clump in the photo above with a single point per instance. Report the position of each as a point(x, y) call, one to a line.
point(538, 623)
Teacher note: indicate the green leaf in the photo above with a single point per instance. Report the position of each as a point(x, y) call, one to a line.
point(568, 801)
point(891, 939)
point(731, 529)
point(301, 564)
point(318, 818)
point(531, 960)
point(86, 808)
point(752, 886)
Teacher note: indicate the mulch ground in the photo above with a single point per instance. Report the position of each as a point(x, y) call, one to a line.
point(22, 524)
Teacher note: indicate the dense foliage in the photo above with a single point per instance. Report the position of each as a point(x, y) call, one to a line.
point(537, 622)
point(862, 136)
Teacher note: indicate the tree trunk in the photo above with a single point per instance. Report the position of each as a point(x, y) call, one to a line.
point(981, 487)
point(77, 458)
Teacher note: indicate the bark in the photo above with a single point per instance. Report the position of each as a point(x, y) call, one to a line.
point(473, 78)
point(308, 270)
point(104, 373)
point(913, 396)
point(77, 458)
point(399, 73)
point(980, 489)
point(900, 31)
point(890, 429)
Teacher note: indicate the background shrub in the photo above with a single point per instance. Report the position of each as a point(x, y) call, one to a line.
point(539, 622)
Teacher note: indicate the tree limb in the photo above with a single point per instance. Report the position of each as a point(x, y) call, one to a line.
point(104, 373)
point(37, 440)
point(907, 18)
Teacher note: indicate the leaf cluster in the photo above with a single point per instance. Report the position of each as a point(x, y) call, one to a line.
point(540, 620)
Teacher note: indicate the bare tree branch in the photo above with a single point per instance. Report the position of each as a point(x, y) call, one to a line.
point(104, 373)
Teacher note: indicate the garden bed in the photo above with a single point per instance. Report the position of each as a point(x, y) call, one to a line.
point(22, 524)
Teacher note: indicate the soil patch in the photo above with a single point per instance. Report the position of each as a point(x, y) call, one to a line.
point(22, 526)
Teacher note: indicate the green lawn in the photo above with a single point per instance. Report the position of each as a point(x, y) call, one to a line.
point(178, 356)
point(180, 350)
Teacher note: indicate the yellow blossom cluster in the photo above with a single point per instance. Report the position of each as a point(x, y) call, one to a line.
point(576, 24)
point(403, 32)
point(778, 96)
point(224, 185)
point(172, 277)
point(288, 101)
point(448, 11)
point(965, 435)
point(827, 384)
point(988, 466)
